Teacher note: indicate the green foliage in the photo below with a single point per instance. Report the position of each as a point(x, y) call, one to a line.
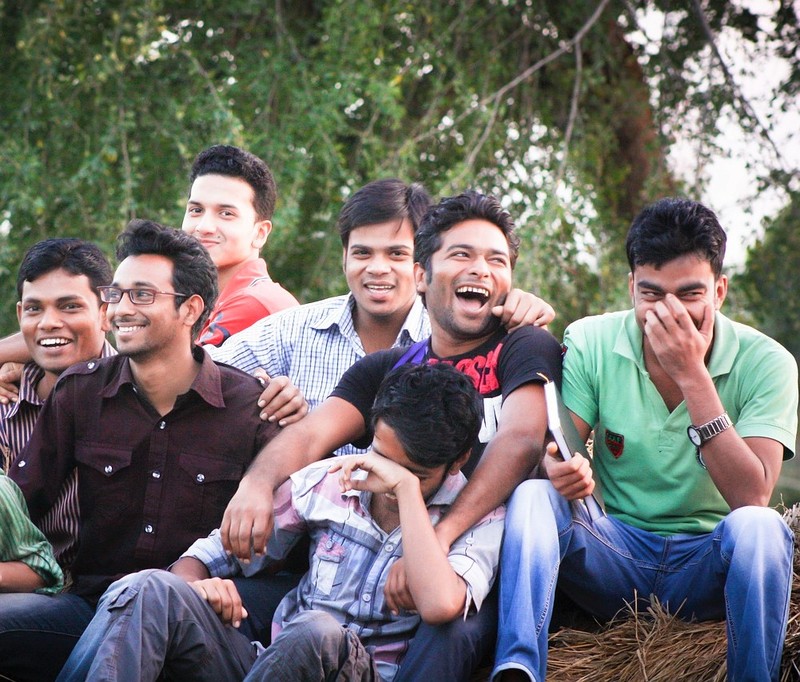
point(106, 102)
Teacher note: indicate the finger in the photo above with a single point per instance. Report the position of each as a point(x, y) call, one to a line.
point(296, 415)
point(267, 396)
point(261, 374)
point(707, 325)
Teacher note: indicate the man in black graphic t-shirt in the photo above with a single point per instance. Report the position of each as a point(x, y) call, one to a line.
point(465, 250)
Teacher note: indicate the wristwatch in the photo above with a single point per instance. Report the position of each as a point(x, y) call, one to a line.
point(702, 434)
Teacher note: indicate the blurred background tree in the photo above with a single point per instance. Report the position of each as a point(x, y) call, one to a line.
point(573, 112)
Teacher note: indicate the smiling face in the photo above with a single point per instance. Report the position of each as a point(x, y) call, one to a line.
point(61, 319)
point(689, 278)
point(221, 214)
point(144, 331)
point(379, 268)
point(468, 276)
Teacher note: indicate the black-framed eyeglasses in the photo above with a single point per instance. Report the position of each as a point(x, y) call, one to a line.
point(138, 296)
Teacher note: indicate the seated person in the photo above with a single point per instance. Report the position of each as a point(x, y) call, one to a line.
point(27, 563)
point(337, 621)
point(692, 414)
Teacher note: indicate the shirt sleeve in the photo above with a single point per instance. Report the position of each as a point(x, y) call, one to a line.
point(359, 386)
point(260, 345)
point(21, 540)
point(476, 554)
point(578, 391)
point(530, 354)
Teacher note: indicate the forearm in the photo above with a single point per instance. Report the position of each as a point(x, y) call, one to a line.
point(507, 461)
point(738, 473)
point(13, 349)
point(190, 569)
point(16, 576)
point(439, 593)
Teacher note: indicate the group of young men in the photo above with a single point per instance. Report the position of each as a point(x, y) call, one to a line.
point(177, 491)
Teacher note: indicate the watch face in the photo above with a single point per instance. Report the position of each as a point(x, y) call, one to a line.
point(694, 436)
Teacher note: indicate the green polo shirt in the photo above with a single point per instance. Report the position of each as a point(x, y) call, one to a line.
point(644, 463)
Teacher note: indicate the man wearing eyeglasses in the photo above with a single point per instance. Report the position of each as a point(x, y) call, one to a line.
point(160, 436)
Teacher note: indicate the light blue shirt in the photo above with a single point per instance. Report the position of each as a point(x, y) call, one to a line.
point(313, 345)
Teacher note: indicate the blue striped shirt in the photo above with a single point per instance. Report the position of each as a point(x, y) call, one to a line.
point(313, 345)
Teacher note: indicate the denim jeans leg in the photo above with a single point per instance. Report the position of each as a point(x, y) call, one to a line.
point(536, 516)
point(153, 620)
point(454, 650)
point(37, 633)
point(757, 546)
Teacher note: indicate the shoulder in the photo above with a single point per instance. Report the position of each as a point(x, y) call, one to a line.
point(92, 371)
point(533, 338)
point(756, 348)
point(598, 327)
point(271, 295)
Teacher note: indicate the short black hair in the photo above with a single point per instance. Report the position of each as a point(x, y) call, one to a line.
point(193, 271)
point(433, 409)
point(225, 159)
point(76, 256)
point(673, 227)
point(451, 211)
point(381, 201)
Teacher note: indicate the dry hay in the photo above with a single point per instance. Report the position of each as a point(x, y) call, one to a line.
point(658, 647)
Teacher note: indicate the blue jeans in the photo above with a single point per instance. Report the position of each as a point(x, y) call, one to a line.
point(152, 622)
point(37, 633)
point(740, 572)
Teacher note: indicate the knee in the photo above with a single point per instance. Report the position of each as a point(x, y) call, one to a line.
point(532, 502)
point(758, 530)
point(318, 627)
point(144, 584)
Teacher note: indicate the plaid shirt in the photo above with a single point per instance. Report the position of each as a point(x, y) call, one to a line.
point(17, 420)
point(350, 558)
point(313, 345)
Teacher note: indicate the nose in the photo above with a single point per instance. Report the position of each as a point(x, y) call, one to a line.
point(479, 266)
point(123, 308)
point(378, 264)
point(51, 318)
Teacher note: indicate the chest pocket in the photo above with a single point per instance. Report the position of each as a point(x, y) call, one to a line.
point(328, 559)
point(104, 487)
point(207, 485)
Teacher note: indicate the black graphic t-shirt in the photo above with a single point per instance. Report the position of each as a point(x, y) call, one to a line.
point(497, 368)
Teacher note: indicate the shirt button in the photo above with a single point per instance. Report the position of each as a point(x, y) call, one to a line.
point(156, 474)
point(389, 547)
point(90, 365)
point(200, 478)
point(162, 425)
point(21, 464)
point(108, 468)
point(148, 528)
point(367, 597)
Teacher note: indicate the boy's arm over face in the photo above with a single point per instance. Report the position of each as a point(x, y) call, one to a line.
point(439, 593)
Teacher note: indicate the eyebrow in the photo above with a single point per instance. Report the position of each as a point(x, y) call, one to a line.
point(60, 299)
point(194, 202)
point(389, 247)
point(473, 247)
point(136, 285)
point(691, 286)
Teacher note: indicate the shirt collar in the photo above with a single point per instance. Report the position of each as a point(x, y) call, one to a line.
point(415, 326)
point(726, 344)
point(207, 384)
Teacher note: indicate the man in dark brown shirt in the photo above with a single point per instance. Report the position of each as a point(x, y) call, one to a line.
point(160, 436)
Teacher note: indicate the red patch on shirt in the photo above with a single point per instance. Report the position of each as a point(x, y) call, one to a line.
point(615, 442)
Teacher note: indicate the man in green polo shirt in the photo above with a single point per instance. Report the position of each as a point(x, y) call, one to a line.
point(693, 415)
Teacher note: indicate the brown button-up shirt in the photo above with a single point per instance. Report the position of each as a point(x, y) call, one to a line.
point(148, 485)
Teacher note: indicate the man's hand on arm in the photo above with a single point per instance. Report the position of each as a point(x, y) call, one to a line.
point(522, 309)
point(10, 376)
point(744, 470)
point(223, 597)
point(280, 401)
point(247, 522)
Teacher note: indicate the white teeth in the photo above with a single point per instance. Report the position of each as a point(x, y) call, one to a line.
point(127, 330)
point(53, 342)
point(377, 287)
point(478, 291)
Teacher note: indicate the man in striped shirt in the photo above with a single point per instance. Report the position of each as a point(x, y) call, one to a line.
point(62, 322)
